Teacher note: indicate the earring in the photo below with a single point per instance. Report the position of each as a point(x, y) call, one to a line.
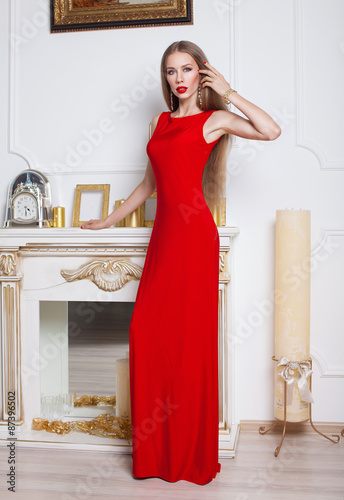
point(171, 100)
point(199, 96)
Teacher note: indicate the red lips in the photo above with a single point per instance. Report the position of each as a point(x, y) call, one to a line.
point(181, 90)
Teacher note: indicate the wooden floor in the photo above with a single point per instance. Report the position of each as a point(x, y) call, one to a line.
point(309, 467)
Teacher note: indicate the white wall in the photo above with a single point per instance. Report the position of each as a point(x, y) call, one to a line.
point(289, 60)
point(287, 57)
point(64, 85)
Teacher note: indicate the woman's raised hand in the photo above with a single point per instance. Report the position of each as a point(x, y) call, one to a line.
point(214, 79)
point(94, 224)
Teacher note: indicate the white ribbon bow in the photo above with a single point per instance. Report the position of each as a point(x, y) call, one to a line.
point(303, 372)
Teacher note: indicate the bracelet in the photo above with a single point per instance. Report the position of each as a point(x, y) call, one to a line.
point(226, 95)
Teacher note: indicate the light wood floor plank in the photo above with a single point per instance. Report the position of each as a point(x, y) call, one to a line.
point(307, 468)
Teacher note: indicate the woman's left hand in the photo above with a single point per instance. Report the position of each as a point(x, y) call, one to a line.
point(214, 79)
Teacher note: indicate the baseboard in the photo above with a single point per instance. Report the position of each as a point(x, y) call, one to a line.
point(325, 427)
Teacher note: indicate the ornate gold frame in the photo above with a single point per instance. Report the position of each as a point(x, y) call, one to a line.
point(107, 14)
point(77, 200)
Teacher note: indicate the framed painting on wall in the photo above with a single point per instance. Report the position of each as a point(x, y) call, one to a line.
point(81, 15)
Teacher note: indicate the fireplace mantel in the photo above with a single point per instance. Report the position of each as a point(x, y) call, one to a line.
point(22, 237)
point(55, 264)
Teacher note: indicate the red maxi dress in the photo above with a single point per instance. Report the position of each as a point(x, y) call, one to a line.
point(173, 335)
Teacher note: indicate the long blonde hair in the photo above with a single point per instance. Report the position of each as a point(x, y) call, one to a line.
point(214, 173)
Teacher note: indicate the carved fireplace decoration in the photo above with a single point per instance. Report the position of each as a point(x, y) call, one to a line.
point(7, 263)
point(108, 275)
point(42, 266)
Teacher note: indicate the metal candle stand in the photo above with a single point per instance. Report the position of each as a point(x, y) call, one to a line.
point(263, 431)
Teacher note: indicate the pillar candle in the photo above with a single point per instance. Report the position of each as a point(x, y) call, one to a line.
point(118, 203)
point(122, 388)
point(134, 218)
point(292, 304)
point(219, 212)
point(58, 217)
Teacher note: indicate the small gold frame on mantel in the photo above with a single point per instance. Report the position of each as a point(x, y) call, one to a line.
point(77, 200)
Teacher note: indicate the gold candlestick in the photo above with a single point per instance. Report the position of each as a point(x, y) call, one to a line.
point(118, 203)
point(134, 219)
point(58, 217)
point(219, 212)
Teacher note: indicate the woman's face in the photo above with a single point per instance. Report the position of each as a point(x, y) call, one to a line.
point(182, 74)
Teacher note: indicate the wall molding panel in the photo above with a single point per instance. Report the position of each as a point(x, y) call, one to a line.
point(308, 96)
point(325, 242)
point(19, 11)
point(324, 365)
point(327, 329)
point(13, 117)
point(13, 147)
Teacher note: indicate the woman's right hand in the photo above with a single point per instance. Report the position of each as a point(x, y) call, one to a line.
point(94, 224)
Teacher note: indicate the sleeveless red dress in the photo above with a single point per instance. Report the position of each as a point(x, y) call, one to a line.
point(173, 335)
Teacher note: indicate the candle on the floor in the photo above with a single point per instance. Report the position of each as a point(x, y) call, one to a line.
point(292, 308)
point(122, 388)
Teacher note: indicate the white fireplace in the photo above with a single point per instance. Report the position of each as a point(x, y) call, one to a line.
point(44, 270)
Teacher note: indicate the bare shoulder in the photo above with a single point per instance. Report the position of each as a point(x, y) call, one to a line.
point(218, 120)
point(155, 119)
point(216, 125)
point(220, 112)
point(219, 117)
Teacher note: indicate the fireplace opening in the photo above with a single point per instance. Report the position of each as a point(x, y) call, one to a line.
point(79, 345)
point(98, 336)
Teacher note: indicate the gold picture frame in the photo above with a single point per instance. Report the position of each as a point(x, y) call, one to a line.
point(82, 15)
point(79, 188)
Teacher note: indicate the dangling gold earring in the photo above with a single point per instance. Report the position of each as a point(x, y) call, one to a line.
point(171, 100)
point(199, 96)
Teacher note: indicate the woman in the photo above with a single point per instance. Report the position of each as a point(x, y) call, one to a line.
point(174, 326)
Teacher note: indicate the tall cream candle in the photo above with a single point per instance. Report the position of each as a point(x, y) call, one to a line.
point(292, 308)
point(122, 388)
